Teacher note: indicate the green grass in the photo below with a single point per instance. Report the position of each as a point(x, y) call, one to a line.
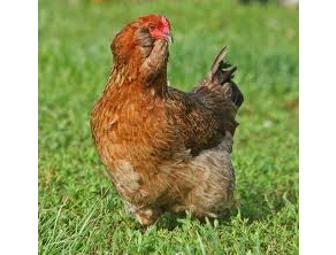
point(79, 211)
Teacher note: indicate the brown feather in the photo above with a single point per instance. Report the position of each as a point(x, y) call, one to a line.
point(164, 149)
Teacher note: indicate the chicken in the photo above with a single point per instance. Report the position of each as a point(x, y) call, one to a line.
point(165, 150)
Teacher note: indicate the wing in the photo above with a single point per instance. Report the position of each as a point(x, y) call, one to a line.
point(201, 118)
point(194, 123)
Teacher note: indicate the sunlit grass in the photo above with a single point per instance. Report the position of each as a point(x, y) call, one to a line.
point(79, 211)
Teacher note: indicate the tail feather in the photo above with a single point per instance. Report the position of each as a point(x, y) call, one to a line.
point(222, 73)
point(216, 64)
point(236, 95)
point(219, 93)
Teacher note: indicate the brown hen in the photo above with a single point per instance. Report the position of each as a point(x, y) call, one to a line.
point(165, 150)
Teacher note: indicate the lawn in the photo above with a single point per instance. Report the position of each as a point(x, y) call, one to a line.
point(80, 212)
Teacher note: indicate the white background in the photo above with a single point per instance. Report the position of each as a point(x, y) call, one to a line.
point(317, 127)
point(18, 127)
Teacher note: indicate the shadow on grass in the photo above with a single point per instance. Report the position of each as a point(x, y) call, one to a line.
point(259, 208)
point(255, 206)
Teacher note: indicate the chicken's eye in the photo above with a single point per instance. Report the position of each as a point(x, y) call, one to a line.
point(151, 27)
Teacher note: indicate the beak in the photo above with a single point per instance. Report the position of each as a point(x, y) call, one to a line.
point(169, 38)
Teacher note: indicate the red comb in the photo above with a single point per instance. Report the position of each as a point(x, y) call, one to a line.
point(166, 24)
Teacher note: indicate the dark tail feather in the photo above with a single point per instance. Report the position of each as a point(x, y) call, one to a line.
point(222, 72)
point(236, 97)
